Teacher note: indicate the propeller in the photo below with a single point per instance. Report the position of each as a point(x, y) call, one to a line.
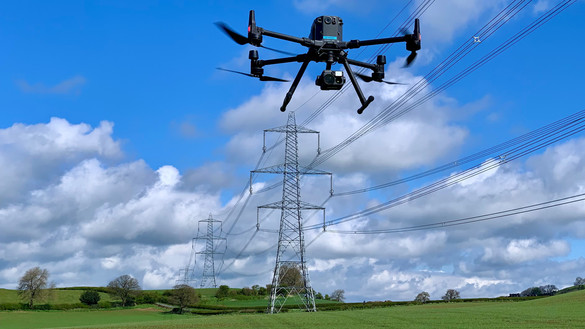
point(262, 77)
point(414, 43)
point(368, 78)
point(410, 59)
point(238, 38)
point(242, 40)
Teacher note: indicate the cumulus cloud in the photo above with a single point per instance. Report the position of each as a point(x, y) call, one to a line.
point(414, 140)
point(34, 155)
point(89, 221)
point(442, 23)
point(71, 206)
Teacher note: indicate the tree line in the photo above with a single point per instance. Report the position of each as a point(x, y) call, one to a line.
point(34, 286)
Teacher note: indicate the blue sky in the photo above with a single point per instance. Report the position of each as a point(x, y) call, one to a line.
point(145, 129)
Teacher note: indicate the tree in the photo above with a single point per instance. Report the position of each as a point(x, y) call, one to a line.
point(183, 295)
point(532, 291)
point(124, 287)
point(262, 291)
point(32, 285)
point(450, 295)
point(318, 296)
point(549, 289)
point(223, 291)
point(422, 297)
point(579, 281)
point(151, 297)
point(290, 275)
point(90, 297)
point(247, 291)
point(338, 295)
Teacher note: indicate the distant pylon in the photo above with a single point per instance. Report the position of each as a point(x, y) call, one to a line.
point(291, 276)
point(208, 277)
point(187, 274)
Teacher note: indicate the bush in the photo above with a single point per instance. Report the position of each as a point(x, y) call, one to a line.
point(105, 305)
point(247, 291)
point(90, 297)
point(223, 291)
point(13, 307)
point(149, 297)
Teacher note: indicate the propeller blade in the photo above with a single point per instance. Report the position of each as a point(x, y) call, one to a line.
point(262, 77)
point(410, 59)
point(364, 77)
point(242, 40)
point(278, 51)
point(265, 78)
point(238, 38)
point(392, 83)
point(368, 78)
point(238, 72)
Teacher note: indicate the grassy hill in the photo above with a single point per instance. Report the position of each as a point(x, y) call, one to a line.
point(561, 311)
point(57, 296)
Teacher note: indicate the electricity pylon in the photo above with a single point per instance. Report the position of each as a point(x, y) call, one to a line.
point(187, 274)
point(208, 277)
point(291, 276)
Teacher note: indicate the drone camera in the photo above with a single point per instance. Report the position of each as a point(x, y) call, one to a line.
point(327, 28)
point(330, 80)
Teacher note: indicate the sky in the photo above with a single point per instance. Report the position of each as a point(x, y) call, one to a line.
point(118, 135)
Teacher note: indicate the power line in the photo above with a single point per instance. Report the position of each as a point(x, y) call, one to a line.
point(473, 219)
point(533, 136)
point(393, 111)
point(459, 177)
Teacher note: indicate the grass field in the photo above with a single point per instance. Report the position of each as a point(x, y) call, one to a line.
point(56, 297)
point(562, 311)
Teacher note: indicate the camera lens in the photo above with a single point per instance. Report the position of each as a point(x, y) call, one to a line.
point(328, 79)
point(327, 20)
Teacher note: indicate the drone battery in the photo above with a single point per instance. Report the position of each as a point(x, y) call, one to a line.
point(327, 28)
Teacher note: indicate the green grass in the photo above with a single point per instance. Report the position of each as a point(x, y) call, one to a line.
point(57, 296)
point(561, 311)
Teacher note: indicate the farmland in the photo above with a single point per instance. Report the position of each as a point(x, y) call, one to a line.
point(561, 311)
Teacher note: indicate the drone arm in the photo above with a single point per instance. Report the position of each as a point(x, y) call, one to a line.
point(361, 64)
point(359, 43)
point(297, 58)
point(365, 102)
point(294, 85)
point(302, 41)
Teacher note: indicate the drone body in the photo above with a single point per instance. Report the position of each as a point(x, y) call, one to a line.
point(325, 44)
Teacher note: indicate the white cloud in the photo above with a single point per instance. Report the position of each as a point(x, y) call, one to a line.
point(525, 250)
point(442, 22)
point(34, 155)
point(541, 6)
point(413, 140)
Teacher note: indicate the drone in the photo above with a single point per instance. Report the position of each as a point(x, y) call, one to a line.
point(325, 44)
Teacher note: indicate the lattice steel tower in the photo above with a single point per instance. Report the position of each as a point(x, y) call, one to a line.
point(291, 277)
point(187, 274)
point(208, 277)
